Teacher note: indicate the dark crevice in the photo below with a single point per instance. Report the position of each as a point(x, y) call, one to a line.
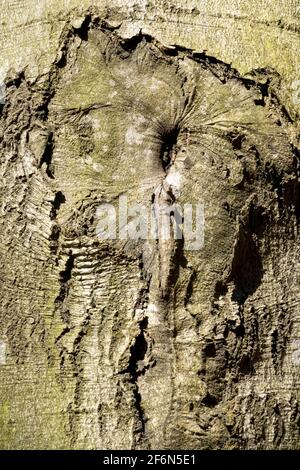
point(17, 80)
point(245, 365)
point(209, 350)
point(279, 427)
point(236, 140)
point(59, 199)
point(189, 288)
point(138, 351)
point(130, 44)
point(67, 273)
point(246, 268)
point(168, 148)
point(63, 333)
point(221, 70)
point(65, 277)
point(47, 156)
point(62, 61)
point(288, 192)
point(296, 185)
point(274, 343)
point(83, 30)
point(239, 331)
point(220, 289)
point(136, 368)
point(54, 237)
point(209, 400)
point(264, 89)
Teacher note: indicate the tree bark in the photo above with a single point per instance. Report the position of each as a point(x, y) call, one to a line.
point(146, 343)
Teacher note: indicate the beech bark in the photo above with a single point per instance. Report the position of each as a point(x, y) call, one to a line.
point(146, 344)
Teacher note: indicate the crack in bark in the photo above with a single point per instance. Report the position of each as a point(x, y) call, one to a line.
point(47, 156)
point(65, 277)
point(137, 355)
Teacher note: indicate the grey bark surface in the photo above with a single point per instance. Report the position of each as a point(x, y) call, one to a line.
point(125, 344)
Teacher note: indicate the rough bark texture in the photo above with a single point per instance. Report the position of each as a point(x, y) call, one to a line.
point(141, 344)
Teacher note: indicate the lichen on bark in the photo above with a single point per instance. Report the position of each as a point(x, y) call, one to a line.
point(145, 344)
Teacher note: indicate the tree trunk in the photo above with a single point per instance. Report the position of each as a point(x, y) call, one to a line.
point(147, 342)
